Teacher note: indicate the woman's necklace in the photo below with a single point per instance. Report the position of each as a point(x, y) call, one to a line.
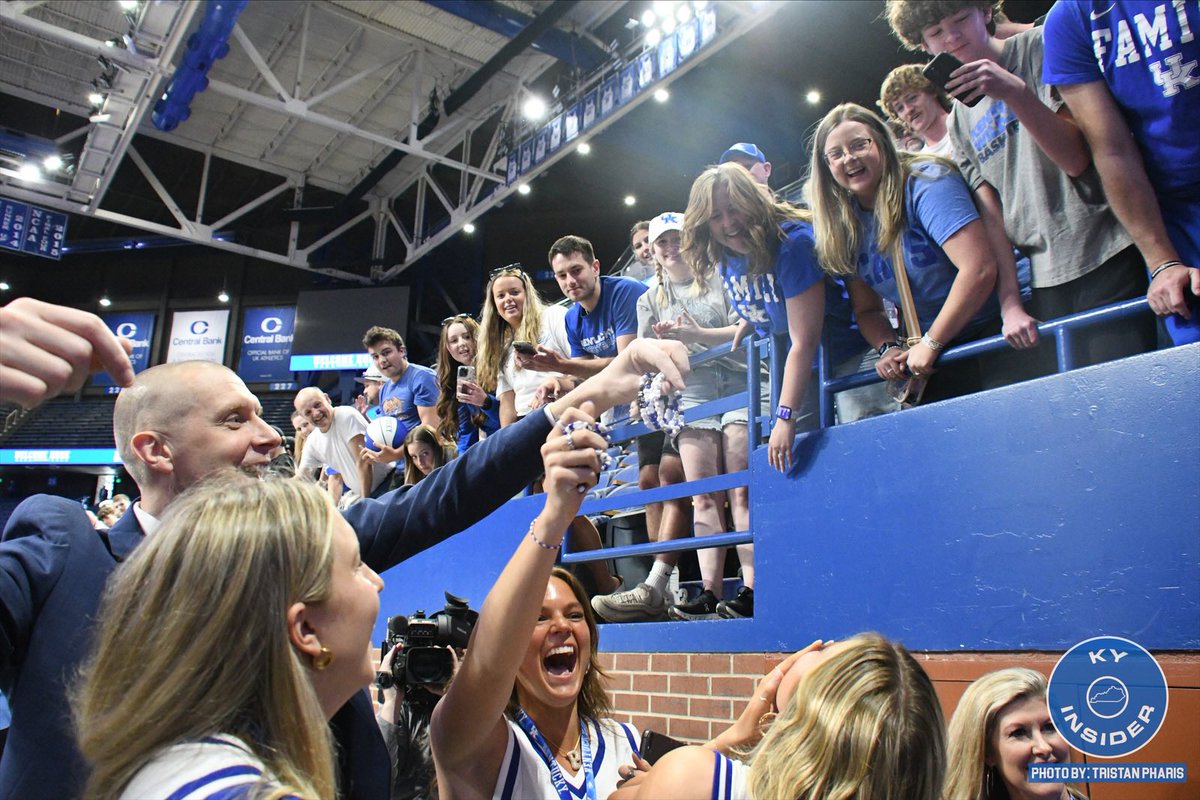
point(573, 757)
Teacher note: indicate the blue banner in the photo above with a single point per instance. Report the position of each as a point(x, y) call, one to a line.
point(267, 335)
point(137, 327)
point(92, 456)
point(30, 229)
point(332, 361)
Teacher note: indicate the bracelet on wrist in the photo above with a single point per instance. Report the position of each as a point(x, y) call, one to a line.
point(1164, 266)
point(932, 344)
point(539, 542)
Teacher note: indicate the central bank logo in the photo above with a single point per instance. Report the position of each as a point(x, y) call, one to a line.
point(271, 325)
point(127, 329)
point(1107, 696)
point(199, 326)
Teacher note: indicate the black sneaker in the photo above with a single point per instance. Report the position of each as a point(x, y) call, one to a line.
point(740, 606)
point(703, 607)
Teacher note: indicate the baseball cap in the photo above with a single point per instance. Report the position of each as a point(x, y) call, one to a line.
point(666, 221)
point(744, 149)
point(372, 374)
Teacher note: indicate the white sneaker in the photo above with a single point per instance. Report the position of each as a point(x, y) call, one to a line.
point(642, 603)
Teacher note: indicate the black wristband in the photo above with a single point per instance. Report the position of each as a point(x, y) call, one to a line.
point(883, 348)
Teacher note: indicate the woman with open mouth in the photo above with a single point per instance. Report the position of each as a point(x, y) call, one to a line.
point(877, 210)
point(526, 715)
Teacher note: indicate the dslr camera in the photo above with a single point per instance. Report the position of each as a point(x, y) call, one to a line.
point(424, 659)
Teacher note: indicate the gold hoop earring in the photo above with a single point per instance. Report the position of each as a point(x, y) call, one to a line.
point(322, 659)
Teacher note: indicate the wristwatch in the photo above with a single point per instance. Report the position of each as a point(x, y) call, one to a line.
point(883, 348)
point(784, 412)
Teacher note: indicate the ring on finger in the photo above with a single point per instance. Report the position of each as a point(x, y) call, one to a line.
point(571, 440)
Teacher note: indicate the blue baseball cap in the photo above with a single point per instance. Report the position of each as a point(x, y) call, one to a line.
point(745, 149)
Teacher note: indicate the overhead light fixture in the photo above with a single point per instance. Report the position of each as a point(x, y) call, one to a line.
point(699, 5)
point(630, 200)
point(523, 188)
point(29, 172)
point(96, 99)
point(104, 301)
point(648, 18)
point(813, 97)
point(4, 287)
point(534, 108)
point(653, 37)
point(584, 148)
point(223, 296)
point(683, 14)
point(668, 25)
point(662, 95)
point(52, 163)
point(128, 5)
point(662, 7)
point(469, 227)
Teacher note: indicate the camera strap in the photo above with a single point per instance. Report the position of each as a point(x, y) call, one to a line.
point(556, 775)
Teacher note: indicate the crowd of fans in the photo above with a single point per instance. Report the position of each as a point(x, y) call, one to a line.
point(1085, 105)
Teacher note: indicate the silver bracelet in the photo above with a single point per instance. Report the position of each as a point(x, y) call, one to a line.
point(932, 344)
point(1163, 266)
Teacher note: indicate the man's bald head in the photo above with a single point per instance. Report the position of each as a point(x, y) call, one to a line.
point(315, 406)
point(158, 400)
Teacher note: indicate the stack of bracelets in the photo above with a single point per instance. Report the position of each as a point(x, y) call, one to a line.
point(660, 411)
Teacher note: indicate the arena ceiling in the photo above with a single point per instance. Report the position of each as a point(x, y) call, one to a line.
point(388, 120)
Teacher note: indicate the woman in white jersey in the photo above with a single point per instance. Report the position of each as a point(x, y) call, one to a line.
point(526, 715)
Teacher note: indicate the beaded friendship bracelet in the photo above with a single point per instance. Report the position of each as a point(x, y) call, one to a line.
point(660, 411)
point(539, 542)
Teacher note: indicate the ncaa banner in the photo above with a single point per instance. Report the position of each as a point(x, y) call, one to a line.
point(138, 328)
point(267, 344)
point(198, 335)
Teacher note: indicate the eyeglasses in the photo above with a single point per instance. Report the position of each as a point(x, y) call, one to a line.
point(856, 148)
point(456, 318)
point(511, 269)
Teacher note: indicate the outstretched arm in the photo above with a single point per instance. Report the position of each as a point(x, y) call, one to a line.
point(468, 725)
point(1130, 194)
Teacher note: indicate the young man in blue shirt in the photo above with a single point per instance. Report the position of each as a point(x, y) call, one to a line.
point(409, 393)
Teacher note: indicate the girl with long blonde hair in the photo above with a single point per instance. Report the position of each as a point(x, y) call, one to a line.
point(877, 210)
point(857, 718)
point(226, 643)
point(513, 311)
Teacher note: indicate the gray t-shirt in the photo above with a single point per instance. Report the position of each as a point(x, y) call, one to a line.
point(1062, 223)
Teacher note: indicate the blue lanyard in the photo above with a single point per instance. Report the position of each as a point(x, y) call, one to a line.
point(556, 776)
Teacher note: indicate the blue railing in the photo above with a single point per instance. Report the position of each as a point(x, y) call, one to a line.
point(1061, 330)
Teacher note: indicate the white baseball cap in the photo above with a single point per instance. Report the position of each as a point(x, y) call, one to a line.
point(666, 221)
point(372, 374)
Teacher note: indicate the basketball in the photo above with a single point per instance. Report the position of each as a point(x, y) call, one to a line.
point(388, 430)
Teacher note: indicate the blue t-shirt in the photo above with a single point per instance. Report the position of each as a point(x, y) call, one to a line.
point(937, 205)
point(417, 386)
point(1147, 53)
point(761, 300)
point(468, 434)
point(615, 315)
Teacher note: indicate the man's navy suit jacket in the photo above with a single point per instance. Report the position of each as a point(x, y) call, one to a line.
point(54, 565)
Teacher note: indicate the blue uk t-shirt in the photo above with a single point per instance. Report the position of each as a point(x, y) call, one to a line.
point(416, 386)
point(1149, 55)
point(761, 299)
point(596, 333)
point(937, 205)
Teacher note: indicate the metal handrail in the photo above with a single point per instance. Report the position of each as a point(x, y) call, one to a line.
point(1061, 330)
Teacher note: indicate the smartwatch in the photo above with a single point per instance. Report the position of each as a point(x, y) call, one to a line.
point(784, 412)
point(883, 348)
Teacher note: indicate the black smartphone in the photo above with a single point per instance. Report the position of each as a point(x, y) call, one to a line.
point(525, 348)
point(656, 745)
point(939, 70)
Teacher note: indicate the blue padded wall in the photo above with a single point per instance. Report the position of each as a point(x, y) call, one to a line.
point(1029, 517)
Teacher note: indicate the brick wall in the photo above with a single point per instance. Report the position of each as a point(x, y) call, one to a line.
point(693, 697)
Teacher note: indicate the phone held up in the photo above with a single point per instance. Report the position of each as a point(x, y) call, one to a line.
point(939, 70)
point(466, 373)
point(656, 745)
point(525, 348)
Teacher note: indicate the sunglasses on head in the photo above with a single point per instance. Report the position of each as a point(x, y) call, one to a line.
point(511, 269)
point(456, 318)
